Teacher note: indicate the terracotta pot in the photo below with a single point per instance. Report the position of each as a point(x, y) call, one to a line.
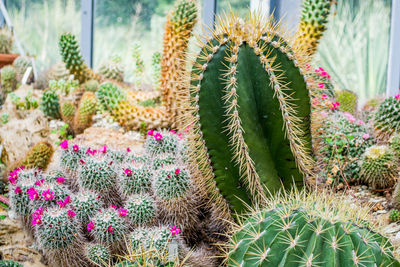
point(7, 59)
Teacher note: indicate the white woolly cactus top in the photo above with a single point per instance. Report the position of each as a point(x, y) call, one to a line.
point(375, 152)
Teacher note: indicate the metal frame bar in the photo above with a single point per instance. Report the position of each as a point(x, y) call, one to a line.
point(87, 31)
point(209, 11)
point(393, 73)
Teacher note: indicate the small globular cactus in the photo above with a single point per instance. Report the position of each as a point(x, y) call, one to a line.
point(387, 118)
point(91, 86)
point(86, 204)
point(161, 142)
point(394, 215)
point(50, 104)
point(112, 69)
point(172, 183)
point(141, 209)
point(154, 237)
point(395, 144)
point(98, 254)
point(133, 180)
point(8, 76)
point(109, 96)
point(348, 101)
point(71, 157)
point(379, 167)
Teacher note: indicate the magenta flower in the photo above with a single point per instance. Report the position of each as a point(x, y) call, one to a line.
point(48, 194)
point(180, 136)
point(18, 190)
point(13, 179)
point(158, 136)
point(103, 149)
point(365, 136)
point(174, 230)
point(64, 144)
point(60, 180)
point(75, 148)
point(82, 161)
point(36, 220)
point(90, 226)
point(177, 171)
point(150, 132)
point(110, 229)
point(38, 212)
point(172, 131)
point(350, 117)
point(122, 212)
point(128, 171)
point(397, 96)
point(89, 151)
point(32, 193)
point(324, 97)
point(62, 204)
point(128, 149)
point(113, 207)
point(39, 182)
point(335, 105)
point(71, 213)
point(308, 66)
point(321, 85)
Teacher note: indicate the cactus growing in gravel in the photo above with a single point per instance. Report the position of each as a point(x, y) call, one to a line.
point(39, 156)
point(141, 209)
point(71, 55)
point(316, 230)
point(50, 104)
point(98, 254)
point(379, 167)
point(249, 118)
point(314, 18)
point(347, 100)
point(6, 41)
point(86, 110)
point(387, 118)
point(9, 263)
point(112, 69)
point(8, 79)
point(178, 30)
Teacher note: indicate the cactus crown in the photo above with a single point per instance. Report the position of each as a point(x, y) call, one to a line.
point(276, 98)
point(184, 15)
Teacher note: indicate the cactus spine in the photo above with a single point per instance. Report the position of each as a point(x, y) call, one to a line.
point(314, 18)
point(250, 113)
point(178, 30)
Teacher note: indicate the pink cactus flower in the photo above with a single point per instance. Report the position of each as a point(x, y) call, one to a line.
point(172, 131)
point(60, 179)
point(113, 207)
point(180, 136)
point(103, 149)
point(128, 149)
point(174, 230)
point(122, 212)
point(12, 179)
point(64, 203)
point(177, 171)
point(71, 213)
point(39, 182)
point(64, 144)
point(321, 85)
point(150, 132)
point(88, 151)
point(324, 97)
point(38, 212)
point(308, 66)
point(90, 226)
point(360, 122)
point(75, 148)
point(335, 105)
point(397, 96)
point(18, 190)
point(36, 220)
point(365, 136)
point(48, 194)
point(32, 193)
point(82, 161)
point(350, 117)
point(158, 136)
point(110, 229)
point(128, 171)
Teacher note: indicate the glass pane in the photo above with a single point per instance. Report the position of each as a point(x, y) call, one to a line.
point(39, 24)
point(239, 6)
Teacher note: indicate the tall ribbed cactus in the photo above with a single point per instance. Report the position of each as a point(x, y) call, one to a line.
point(314, 17)
point(178, 30)
point(72, 57)
point(250, 112)
point(86, 110)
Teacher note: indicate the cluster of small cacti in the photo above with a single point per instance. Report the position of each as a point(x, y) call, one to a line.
point(8, 79)
point(96, 200)
point(387, 118)
point(6, 40)
point(314, 18)
point(127, 111)
point(178, 31)
point(112, 69)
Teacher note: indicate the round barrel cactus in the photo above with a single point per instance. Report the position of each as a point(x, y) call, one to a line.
point(387, 118)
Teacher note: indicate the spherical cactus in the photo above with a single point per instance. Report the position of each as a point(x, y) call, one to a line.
point(163, 160)
point(50, 195)
point(108, 227)
point(171, 183)
point(113, 70)
point(117, 156)
point(19, 193)
point(109, 96)
point(154, 237)
point(141, 209)
point(387, 118)
point(394, 216)
point(71, 157)
point(133, 180)
point(395, 144)
point(50, 104)
point(9, 263)
point(86, 204)
point(316, 230)
point(98, 254)
point(347, 100)
point(8, 79)
point(161, 142)
point(39, 156)
point(379, 167)
point(6, 41)
point(91, 85)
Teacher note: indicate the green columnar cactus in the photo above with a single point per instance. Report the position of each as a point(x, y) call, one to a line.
point(141, 209)
point(109, 96)
point(86, 204)
point(91, 85)
point(86, 110)
point(9, 263)
point(347, 100)
point(249, 121)
point(8, 79)
point(387, 118)
point(98, 254)
point(39, 156)
point(394, 216)
point(309, 231)
point(50, 104)
point(163, 160)
point(379, 167)
point(71, 55)
point(112, 69)
point(139, 63)
point(134, 180)
point(6, 41)
point(68, 112)
point(314, 18)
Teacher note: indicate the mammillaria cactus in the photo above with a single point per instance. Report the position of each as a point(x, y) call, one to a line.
point(6, 41)
point(249, 118)
point(141, 209)
point(314, 18)
point(50, 104)
point(387, 118)
point(86, 110)
point(161, 142)
point(71, 55)
point(315, 230)
point(8, 79)
point(112, 69)
point(98, 254)
point(71, 157)
point(379, 167)
point(178, 31)
point(347, 100)
point(86, 204)
point(134, 180)
point(395, 144)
